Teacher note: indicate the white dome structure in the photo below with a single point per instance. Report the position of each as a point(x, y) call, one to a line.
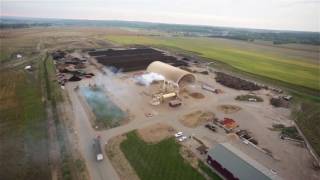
point(179, 76)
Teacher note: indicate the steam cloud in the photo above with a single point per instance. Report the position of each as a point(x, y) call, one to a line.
point(147, 79)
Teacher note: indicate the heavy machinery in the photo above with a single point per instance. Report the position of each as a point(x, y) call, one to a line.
point(167, 90)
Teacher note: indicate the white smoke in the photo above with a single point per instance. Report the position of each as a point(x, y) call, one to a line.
point(148, 78)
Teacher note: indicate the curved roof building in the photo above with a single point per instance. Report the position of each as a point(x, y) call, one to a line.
point(172, 73)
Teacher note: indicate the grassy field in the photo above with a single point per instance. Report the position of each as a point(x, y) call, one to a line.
point(307, 116)
point(288, 66)
point(157, 161)
point(24, 152)
point(23, 133)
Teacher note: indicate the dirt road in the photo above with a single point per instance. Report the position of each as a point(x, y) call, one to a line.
point(103, 170)
point(97, 170)
point(256, 117)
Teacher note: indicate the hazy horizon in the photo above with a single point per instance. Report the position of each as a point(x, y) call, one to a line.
point(296, 15)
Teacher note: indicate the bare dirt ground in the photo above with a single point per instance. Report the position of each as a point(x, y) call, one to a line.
point(229, 109)
point(156, 132)
point(71, 139)
point(187, 92)
point(196, 118)
point(118, 159)
point(290, 162)
point(189, 156)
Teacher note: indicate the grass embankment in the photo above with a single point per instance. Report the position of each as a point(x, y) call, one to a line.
point(299, 71)
point(307, 118)
point(23, 134)
point(249, 97)
point(71, 168)
point(157, 161)
point(208, 171)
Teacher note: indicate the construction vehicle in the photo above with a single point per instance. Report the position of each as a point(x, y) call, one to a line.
point(175, 103)
point(97, 148)
point(211, 127)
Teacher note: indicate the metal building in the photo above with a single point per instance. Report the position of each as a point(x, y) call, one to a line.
point(234, 164)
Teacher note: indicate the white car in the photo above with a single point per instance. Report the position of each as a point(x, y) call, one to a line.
point(178, 134)
point(182, 138)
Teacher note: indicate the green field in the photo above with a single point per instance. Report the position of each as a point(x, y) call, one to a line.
point(23, 134)
point(158, 161)
point(307, 117)
point(298, 68)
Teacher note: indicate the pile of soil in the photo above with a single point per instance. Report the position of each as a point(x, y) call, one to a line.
point(75, 78)
point(196, 95)
point(58, 54)
point(228, 109)
point(155, 133)
point(186, 93)
point(189, 156)
point(196, 118)
point(279, 102)
point(133, 59)
point(235, 82)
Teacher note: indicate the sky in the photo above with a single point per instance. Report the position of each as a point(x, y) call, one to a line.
point(301, 15)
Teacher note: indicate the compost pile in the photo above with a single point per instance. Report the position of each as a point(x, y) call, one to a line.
point(279, 102)
point(58, 54)
point(235, 82)
point(133, 59)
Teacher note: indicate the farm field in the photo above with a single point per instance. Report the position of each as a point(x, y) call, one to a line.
point(157, 161)
point(23, 134)
point(297, 67)
point(26, 96)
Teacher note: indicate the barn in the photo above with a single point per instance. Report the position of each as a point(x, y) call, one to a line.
point(235, 165)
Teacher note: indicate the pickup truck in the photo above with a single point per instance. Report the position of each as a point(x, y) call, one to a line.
point(97, 148)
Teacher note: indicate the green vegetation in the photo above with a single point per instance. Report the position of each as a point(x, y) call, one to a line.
point(157, 161)
point(52, 94)
point(307, 117)
point(277, 127)
point(53, 89)
point(24, 147)
point(208, 171)
point(279, 66)
point(248, 97)
point(106, 112)
point(69, 165)
point(276, 37)
point(291, 132)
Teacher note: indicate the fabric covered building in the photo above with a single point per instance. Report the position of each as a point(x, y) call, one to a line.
point(179, 76)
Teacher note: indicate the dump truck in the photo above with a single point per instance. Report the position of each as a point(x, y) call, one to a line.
point(97, 148)
point(175, 103)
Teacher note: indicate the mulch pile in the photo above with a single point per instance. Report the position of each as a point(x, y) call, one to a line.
point(235, 82)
